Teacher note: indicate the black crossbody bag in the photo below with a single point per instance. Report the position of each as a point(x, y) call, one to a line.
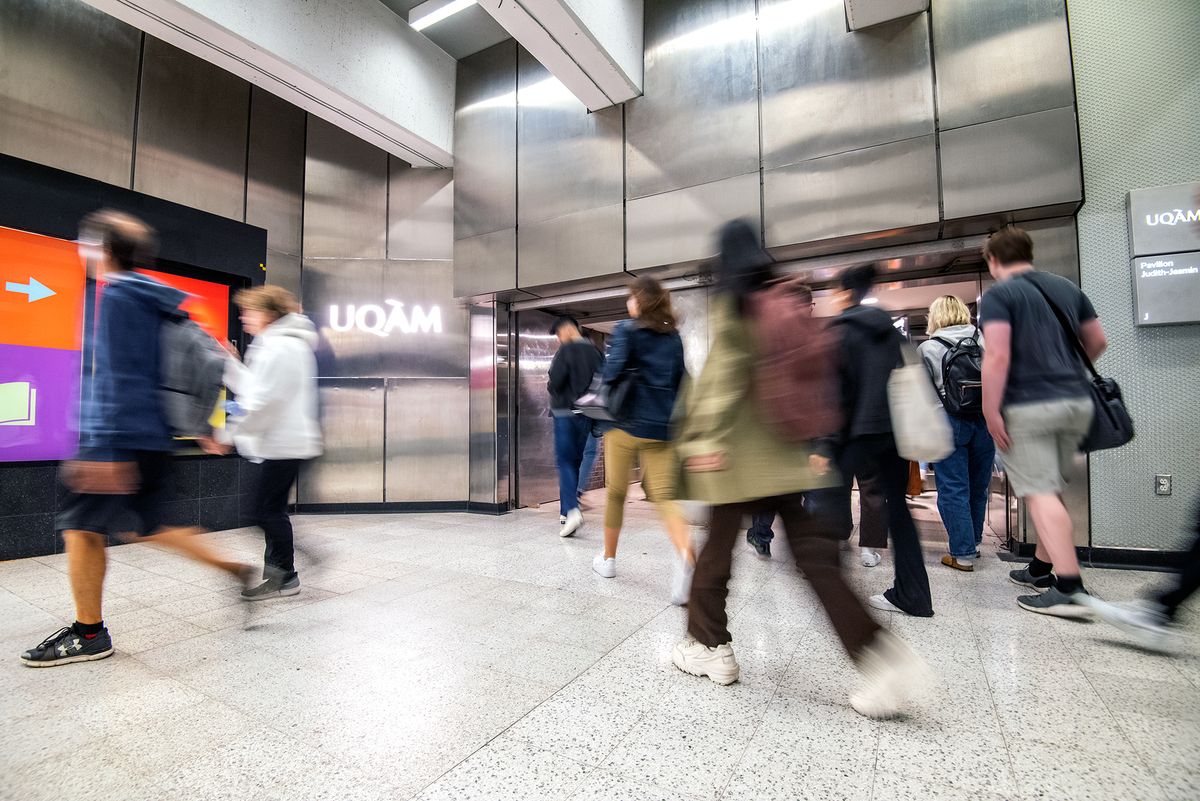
point(608, 402)
point(1112, 426)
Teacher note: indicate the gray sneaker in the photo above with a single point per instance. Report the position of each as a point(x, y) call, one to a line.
point(1027, 579)
point(273, 587)
point(1057, 603)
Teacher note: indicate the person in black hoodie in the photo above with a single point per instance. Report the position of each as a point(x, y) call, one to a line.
point(870, 350)
point(571, 374)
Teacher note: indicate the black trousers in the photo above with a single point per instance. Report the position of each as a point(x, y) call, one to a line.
point(1189, 577)
point(876, 455)
point(275, 480)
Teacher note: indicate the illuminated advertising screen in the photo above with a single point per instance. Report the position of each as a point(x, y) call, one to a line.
point(41, 340)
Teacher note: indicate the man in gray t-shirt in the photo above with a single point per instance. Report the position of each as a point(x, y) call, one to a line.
point(1037, 405)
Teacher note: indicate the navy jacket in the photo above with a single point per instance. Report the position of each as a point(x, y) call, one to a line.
point(658, 358)
point(121, 411)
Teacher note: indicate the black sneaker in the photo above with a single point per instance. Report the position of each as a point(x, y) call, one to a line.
point(273, 587)
point(761, 547)
point(65, 646)
point(1027, 579)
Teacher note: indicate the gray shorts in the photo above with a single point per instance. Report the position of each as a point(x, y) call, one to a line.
point(1045, 438)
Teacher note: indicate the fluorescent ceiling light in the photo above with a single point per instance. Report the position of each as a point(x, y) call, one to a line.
point(424, 19)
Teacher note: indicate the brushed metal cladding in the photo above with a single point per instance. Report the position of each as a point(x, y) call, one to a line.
point(826, 90)
point(505, 402)
point(193, 119)
point(386, 318)
point(68, 87)
point(691, 308)
point(485, 142)
point(568, 160)
point(1055, 246)
point(880, 188)
point(427, 439)
point(998, 60)
point(420, 212)
point(345, 195)
point(275, 170)
point(284, 270)
point(537, 475)
point(484, 413)
point(485, 264)
point(351, 469)
point(697, 120)
point(585, 244)
point(1016, 163)
point(681, 226)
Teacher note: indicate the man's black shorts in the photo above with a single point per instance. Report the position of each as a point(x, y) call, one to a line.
point(141, 513)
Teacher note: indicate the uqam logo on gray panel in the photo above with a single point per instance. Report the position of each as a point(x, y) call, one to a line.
point(1165, 219)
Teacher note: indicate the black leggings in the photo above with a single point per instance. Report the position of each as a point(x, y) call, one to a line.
point(271, 512)
point(1189, 577)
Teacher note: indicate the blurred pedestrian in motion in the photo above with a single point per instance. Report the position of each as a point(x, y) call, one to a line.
point(275, 423)
point(953, 354)
point(648, 351)
point(119, 475)
point(741, 465)
point(1038, 405)
point(591, 452)
point(571, 373)
point(870, 350)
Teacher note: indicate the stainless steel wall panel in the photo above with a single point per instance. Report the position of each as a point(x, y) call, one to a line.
point(483, 409)
point(585, 244)
point(567, 159)
point(698, 119)
point(345, 195)
point(485, 264)
point(537, 475)
point(386, 318)
point(997, 60)
point(1055, 246)
point(881, 188)
point(420, 212)
point(275, 170)
point(351, 470)
point(691, 307)
point(485, 142)
point(193, 119)
point(1016, 163)
point(827, 90)
point(427, 455)
point(681, 226)
point(68, 87)
point(284, 269)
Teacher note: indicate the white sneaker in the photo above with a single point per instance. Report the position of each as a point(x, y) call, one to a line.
point(890, 674)
point(717, 663)
point(681, 580)
point(883, 604)
point(605, 567)
point(1144, 621)
point(870, 558)
point(562, 519)
point(572, 523)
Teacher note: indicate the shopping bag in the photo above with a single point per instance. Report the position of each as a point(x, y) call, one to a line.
point(919, 423)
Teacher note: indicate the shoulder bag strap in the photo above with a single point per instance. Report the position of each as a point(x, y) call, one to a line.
point(1068, 330)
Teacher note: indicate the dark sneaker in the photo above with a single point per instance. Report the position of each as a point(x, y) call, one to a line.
point(1027, 579)
point(273, 587)
point(1057, 603)
point(65, 646)
point(761, 547)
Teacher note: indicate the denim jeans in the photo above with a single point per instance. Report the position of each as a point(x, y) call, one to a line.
point(570, 438)
point(962, 484)
point(589, 461)
point(822, 502)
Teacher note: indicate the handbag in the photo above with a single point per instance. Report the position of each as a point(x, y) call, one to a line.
point(1111, 426)
point(919, 423)
point(608, 401)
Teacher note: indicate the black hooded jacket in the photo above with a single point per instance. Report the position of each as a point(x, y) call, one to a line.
point(870, 350)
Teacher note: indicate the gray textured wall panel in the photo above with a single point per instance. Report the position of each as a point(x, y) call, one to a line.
point(485, 142)
point(420, 212)
point(345, 195)
point(68, 85)
point(426, 442)
point(192, 126)
point(1120, 89)
point(275, 170)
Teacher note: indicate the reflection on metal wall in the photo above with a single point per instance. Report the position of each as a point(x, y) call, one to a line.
point(691, 307)
point(68, 87)
point(484, 414)
point(681, 226)
point(191, 136)
point(275, 171)
point(420, 212)
point(426, 447)
point(345, 195)
point(485, 142)
point(486, 263)
point(351, 470)
point(585, 244)
point(537, 476)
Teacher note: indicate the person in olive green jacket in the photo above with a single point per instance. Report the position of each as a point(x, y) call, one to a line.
point(734, 461)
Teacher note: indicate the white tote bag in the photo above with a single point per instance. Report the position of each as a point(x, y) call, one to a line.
point(919, 422)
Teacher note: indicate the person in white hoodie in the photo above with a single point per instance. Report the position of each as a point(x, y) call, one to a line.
point(274, 420)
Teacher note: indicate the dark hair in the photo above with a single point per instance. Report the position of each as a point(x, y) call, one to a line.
point(802, 291)
point(654, 304)
point(858, 281)
point(129, 241)
point(565, 319)
point(1009, 245)
point(743, 266)
point(274, 300)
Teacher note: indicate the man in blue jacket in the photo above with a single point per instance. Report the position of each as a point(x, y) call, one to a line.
point(117, 478)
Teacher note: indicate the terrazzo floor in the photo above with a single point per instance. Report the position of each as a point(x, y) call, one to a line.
point(446, 656)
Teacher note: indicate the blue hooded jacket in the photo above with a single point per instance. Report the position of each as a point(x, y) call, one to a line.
point(121, 410)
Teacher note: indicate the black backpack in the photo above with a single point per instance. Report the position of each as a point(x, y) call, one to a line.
point(962, 375)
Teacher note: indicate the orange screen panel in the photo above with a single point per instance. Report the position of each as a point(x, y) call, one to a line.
point(207, 303)
point(41, 291)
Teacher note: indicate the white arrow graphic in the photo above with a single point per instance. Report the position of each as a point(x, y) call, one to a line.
point(34, 290)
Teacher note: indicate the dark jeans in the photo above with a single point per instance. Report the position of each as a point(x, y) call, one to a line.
point(275, 480)
point(570, 438)
point(588, 465)
point(962, 484)
point(817, 557)
point(876, 455)
point(1189, 577)
point(822, 502)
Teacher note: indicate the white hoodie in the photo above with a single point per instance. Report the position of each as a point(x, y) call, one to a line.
point(277, 393)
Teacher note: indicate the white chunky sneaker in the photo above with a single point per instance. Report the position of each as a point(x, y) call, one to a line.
point(718, 663)
point(681, 580)
point(605, 567)
point(881, 603)
point(870, 558)
point(572, 524)
point(891, 676)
